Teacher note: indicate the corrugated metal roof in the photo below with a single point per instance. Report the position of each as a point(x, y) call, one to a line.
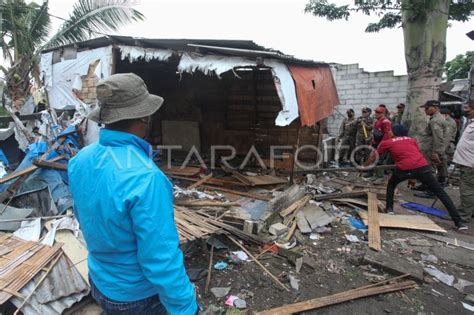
point(222, 47)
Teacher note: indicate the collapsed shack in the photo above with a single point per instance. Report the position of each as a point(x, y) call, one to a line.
point(217, 92)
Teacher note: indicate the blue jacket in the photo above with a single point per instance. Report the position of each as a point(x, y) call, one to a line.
point(124, 205)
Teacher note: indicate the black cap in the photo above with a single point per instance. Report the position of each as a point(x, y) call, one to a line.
point(431, 103)
point(445, 110)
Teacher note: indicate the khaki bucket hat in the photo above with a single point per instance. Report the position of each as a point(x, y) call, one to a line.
point(124, 96)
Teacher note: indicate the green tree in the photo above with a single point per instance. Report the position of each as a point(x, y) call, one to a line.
point(424, 24)
point(458, 67)
point(25, 29)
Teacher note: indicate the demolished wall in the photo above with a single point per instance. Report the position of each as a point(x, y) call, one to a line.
point(358, 88)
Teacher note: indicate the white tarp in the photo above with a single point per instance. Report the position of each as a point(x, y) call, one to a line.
point(61, 77)
point(286, 89)
point(212, 64)
point(133, 53)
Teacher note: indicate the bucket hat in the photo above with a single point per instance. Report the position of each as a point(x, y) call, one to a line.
point(124, 96)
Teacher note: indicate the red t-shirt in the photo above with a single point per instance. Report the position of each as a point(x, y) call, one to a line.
point(385, 126)
point(404, 151)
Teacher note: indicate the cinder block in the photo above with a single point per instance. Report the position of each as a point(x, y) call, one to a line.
point(278, 229)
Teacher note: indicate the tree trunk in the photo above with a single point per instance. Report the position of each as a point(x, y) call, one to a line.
point(424, 33)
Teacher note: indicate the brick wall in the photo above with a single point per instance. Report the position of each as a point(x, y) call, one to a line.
point(358, 88)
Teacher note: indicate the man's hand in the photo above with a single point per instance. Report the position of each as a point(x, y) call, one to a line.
point(411, 183)
point(435, 158)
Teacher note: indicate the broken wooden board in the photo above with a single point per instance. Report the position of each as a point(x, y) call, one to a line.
point(394, 264)
point(263, 180)
point(374, 228)
point(410, 222)
point(337, 298)
point(450, 241)
point(316, 216)
point(180, 171)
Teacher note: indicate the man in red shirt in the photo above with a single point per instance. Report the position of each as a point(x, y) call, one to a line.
point(382, 126)
point(382, 131)
point(411, 164)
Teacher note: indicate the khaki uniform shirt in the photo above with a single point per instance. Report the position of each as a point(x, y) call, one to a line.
point(433, 138)
point(348, 128)
point(451, 130)
point(464, 154)
point(368, 124)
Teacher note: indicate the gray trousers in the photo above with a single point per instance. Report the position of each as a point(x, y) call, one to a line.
point(467, 193)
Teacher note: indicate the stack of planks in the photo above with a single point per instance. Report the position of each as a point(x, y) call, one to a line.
point(20, 261)
point(192, 225)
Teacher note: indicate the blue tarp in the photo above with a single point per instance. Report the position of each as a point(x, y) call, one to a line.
point(56, 181)
point(425, 209)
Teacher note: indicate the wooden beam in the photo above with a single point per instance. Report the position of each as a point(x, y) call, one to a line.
point(338, 298)
point(258, 263)
point(50, 165)
point(352, 194)
point(240, 193)
point(205, 203)
point(374, 227)
point(27, 170)
point(200, 182)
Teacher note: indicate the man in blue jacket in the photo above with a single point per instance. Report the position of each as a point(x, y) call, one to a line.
point(124, 205)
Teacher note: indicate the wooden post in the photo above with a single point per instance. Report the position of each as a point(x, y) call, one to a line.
point(297, 144)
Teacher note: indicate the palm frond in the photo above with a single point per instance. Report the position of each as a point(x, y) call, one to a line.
point(94, 16)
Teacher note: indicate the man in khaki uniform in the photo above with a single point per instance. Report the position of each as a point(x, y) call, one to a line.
point(397, 118)
point(449, 138)
point(464, 159)
point(433, 144)
point(364, 126)
point(347, 136)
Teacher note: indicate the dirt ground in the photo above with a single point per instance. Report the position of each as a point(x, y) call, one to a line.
point(338, 266)
point(336, 271)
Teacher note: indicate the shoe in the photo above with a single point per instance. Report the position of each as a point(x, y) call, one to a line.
point(462, 227)
point(389, 211)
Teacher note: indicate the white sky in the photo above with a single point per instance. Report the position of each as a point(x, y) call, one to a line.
point(278, 24)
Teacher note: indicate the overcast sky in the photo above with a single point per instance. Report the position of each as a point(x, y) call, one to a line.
point(278, 24)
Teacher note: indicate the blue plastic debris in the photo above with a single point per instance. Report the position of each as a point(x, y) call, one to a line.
point(425, 209)
point(220, 265)
point(358, 224)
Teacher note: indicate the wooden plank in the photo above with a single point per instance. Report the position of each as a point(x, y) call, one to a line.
point(200, 182)
point(295, 206)
point(240, 193)
point(50, 165)
point(205, 203)
point(374, 228)
point(27, 170)
point(338, 298)
point(410, 222)
point(352, 194)
point(181, 171)
point(263, 180)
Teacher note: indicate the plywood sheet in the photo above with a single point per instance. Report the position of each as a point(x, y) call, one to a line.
point(411, 222)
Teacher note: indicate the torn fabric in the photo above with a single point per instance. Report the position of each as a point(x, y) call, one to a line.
point(211, 64)
point(316, 91)
point(133, 53)
point(66, 73)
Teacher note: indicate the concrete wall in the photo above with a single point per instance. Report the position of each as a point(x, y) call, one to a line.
point(358, 88)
